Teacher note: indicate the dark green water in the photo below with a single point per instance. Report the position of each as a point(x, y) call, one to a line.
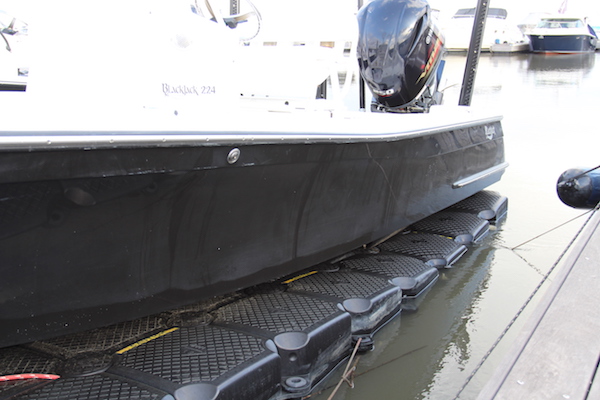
point(551, 107)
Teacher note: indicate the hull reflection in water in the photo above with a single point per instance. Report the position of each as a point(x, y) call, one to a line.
point(561, 62)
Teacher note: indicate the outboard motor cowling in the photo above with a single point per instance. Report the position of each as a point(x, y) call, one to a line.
point(399, 53)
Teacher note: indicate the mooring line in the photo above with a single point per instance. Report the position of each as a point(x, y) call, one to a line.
point(529, 299)
point(368, 370)
point(347, 372)
point(533, 267)
point(390, 361)
point(550, 230)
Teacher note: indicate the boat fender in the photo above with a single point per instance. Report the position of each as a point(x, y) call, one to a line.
point(579, 187)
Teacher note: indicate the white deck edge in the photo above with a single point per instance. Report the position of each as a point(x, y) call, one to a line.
point(338, 131)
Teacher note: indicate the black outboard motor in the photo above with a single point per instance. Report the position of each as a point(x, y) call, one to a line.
point(400, 54)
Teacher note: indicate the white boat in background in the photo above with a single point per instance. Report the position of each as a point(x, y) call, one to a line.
point(510, 47)
point(498, 29)
point(563, 34)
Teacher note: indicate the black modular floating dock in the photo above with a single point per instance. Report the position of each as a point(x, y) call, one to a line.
point(275, 341)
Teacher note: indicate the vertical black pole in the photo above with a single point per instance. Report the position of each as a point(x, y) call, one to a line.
point(361, 81)
point(234, 7)
point(466, 92)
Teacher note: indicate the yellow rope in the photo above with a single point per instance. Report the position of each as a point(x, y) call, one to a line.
point(144, 341)
point(300, 277)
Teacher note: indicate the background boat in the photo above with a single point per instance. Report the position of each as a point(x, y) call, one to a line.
point(510, 47)
point(563, 34)
point(498, 29)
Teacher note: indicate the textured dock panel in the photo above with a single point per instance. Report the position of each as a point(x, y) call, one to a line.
point(11, 389)
point(436, 251)
point(464, 228)
point(96, 387)
point(413, 276)
point(340, 285)
point(486, 204)
point(276, 313)
point(370, 300)
point(201, 362)
point(310, 335)
point(392, 266)
point(17, 361)
point(200, 354)
point(209, 354)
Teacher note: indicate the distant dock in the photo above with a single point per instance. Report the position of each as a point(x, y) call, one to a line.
point(556, 356)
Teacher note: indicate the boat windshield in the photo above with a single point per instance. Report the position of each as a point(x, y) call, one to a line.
point(558, 23)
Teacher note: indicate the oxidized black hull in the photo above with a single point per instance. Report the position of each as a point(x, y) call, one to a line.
point(93, 237)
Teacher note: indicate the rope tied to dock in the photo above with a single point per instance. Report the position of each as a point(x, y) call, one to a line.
point(348, 376)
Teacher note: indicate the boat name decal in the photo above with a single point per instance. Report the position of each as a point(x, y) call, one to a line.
point(185, 90)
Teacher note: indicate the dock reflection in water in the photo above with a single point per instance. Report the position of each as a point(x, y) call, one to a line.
point(550, 104)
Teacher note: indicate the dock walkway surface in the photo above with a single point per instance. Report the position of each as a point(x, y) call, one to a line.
point(556, 355)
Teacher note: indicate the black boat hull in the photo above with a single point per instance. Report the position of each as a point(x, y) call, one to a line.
point(97, 235)
point(562, 44)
